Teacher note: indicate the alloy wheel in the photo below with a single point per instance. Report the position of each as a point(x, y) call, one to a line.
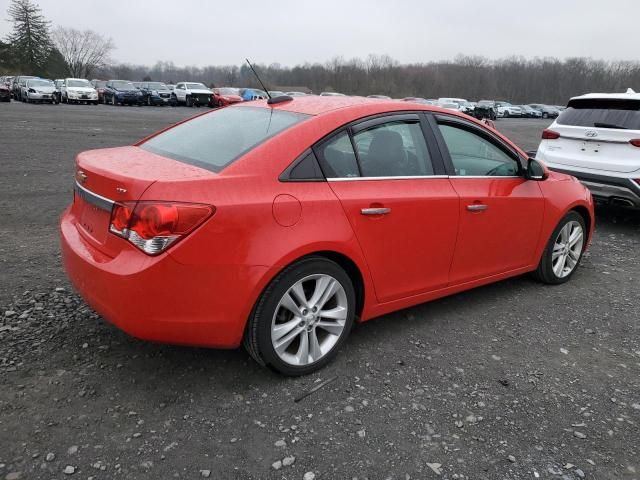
point(567, 249)
point(309, 319)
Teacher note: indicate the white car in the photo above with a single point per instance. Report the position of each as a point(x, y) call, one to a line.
point(192, 93)
point(39, 90)
point(464, 106)
point(597, 140)
point(78, 90)
point(505, 109)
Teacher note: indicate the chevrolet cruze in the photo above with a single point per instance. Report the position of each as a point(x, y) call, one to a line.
point(280, 223)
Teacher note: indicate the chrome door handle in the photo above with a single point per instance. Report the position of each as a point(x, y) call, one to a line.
point(375, 211)
point(477, 207)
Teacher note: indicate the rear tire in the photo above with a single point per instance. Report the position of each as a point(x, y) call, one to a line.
point(563, 252)
point(273, 320)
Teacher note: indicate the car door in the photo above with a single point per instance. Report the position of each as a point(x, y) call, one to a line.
point(401, 206)
point(501, 212)
point(179, 92)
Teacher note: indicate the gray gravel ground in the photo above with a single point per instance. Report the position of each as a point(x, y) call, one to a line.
point(511, 381)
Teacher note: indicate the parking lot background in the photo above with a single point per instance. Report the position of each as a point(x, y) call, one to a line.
point(500, 382)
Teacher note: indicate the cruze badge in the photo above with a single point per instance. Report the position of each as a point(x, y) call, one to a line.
point(591, 133)
point(81, 176)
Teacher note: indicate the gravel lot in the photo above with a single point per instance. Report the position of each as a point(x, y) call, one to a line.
point(510, 381)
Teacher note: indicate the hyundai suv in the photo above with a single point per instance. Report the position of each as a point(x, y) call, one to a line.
point(597, 140)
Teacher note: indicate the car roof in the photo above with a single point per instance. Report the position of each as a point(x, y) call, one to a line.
point(317, 105)
point(628, 95)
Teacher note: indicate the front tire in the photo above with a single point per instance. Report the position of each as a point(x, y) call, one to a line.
point(563, 253)
point(302, 318)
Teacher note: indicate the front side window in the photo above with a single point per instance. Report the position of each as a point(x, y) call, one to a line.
point(394, 149)
point(215, 140)
point(474, 155)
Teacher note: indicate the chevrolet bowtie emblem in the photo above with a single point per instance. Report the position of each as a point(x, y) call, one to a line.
point(81, 176)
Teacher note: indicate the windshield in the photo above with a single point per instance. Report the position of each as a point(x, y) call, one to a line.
point(123, 85)
point(619, 113)
point(79, 83)
point(215, 140)
point(157, 86)
point(39, 83)
point(196, 86)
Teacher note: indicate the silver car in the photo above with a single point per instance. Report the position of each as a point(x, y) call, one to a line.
point(39, 90)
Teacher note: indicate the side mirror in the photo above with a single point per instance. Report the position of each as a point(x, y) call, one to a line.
point(536, 170)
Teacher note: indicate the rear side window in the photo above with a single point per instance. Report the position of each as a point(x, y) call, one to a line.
point(394, 149)
point(215, 140)
point(602, 113)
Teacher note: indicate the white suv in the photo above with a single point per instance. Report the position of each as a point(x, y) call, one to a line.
point(597, 140)
point(192, 93)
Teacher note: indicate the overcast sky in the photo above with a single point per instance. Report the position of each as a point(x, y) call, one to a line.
point(201, 32)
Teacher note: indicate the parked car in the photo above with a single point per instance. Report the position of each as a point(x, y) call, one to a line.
point(219, 231)
point(486, 108)
point(597, 140)
point(99, 85)
point(529, 112)
point(379, 97)
point(193, 94)
point(250, 94)
point(276, 93)
point(464, 105)
point(224, 96)
point(506, 110)
point(7, 80)
point(155, 93)
point(78, 90)
point(5, 93)
point(121, 92)
point(546, 110)
point(294, 93)
point(332, 94)
point(18, 83)
point(38, 90)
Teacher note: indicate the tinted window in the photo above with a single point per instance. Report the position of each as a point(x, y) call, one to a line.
point(394, 149)
point(602, 113)
point(214, 140)
point(473, 155)
point(337, 157)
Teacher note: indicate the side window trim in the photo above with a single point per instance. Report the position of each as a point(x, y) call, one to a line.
point(470, 127)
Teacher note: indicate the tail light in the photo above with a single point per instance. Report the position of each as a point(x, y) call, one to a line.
point(635, 142)
point(550, 135)
point(154, 226)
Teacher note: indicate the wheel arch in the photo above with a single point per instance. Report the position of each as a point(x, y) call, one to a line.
point(351, 266)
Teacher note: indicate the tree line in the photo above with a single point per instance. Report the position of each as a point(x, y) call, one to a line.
point(517, 79)
point(34, 48)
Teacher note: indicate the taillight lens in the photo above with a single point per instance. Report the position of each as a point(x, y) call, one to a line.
point(635, 142)
point(154, 226)
point(550, 135)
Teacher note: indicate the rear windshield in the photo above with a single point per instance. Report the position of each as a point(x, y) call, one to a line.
point(216, 139)
point(602, 113)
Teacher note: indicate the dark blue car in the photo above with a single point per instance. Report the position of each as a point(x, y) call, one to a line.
point(121, 92)
point(156, 93)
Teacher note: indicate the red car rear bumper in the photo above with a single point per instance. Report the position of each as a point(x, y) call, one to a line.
point(158, 298)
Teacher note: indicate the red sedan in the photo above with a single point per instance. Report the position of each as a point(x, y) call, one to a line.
point(279, 224)
point(226, 96)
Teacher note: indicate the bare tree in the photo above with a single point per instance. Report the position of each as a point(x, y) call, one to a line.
point(84, 51)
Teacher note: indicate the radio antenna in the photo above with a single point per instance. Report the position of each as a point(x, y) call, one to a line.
point(256, 74)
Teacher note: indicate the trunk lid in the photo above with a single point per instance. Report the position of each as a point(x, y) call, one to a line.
point(122, 174)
